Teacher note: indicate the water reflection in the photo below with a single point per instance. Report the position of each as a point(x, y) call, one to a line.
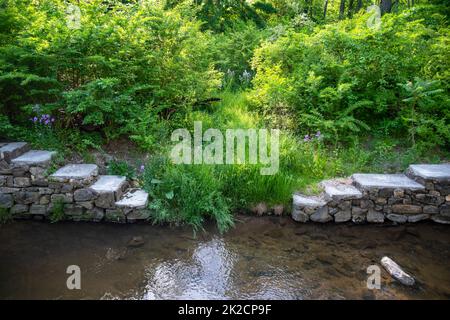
point(259, 259)
point(205, 275)
point(216, 270)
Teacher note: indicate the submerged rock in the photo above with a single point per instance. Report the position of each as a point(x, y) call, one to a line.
point(396, 272)
point(116, 254)
point(136, 242)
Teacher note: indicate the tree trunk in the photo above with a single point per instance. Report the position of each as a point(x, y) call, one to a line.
point(350, 8)
point(342, 10)
point(359, 5)
point(385, 6)
point(325, 7)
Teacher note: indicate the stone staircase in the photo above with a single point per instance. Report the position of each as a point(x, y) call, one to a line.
point(28, 192)
point(422, 193)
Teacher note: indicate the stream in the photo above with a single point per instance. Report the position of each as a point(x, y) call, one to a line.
point(260, 258)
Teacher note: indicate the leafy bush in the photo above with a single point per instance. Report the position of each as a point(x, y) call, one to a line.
point(121, 168)
point(343, 78)
point(233, 52)
point(121, 61)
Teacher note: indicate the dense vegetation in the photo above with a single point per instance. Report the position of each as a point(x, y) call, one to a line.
point(349, 93)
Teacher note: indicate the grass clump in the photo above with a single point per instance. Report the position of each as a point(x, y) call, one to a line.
point(5, 215)
point(57, 212)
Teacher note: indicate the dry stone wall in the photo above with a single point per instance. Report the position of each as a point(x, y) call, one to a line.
point(422, 194)
point(27, 191)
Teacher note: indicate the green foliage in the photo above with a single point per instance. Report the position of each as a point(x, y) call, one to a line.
point(348, 97)
point(342, 78)
point(5, 215)
point(421, 110)
point(122, 61)
point(233, 52)
point(57, 212)
point(121, 168)
point(219, 15)
point(186, 194)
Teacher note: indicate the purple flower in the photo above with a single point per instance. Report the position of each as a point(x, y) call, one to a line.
point(307, 138)
point(35, 119)
point(318, 134)
point(142, 168)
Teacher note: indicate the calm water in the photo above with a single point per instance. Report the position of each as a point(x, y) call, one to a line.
point(261, 258)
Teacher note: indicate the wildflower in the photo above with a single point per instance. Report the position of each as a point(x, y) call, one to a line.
point(142, 168)
point(318, 134)
point(307, 138)
point(245, 77)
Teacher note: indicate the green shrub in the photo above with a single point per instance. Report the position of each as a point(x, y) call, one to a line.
point(186, 194)
point(342, 79)
point(123, 61)
point(121, 168)
point(57, 212)
point(233, 51)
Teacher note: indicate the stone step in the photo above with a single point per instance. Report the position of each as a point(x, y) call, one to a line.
point(340, 189)
point(307, 208)
point(34, 158)
point(370, 181)
point(109, 189)
point(133, 199)
point(440, 219)
point(302, 201)
point(13, 150)
point(109, 184)
point(75, 172)
point(438, 172)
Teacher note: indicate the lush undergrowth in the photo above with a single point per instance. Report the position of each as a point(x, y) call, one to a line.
point(350, 92)
point(191, 193)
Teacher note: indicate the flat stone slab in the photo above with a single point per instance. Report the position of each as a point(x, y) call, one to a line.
point(340, 189)
point(431, 171)
point(109, 184)
point(12, 146)
point(12, 149)
point(440, 219)
point(308, 201)
point(134, 198)
point(76, 171)
point(34, 157)
point(385, 181)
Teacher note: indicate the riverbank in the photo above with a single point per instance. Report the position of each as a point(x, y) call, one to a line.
point(266, 257)
point(32, 186)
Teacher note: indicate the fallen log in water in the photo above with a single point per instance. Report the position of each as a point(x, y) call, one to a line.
point(396, 272)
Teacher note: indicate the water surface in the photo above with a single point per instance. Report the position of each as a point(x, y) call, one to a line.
point(261, 258)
